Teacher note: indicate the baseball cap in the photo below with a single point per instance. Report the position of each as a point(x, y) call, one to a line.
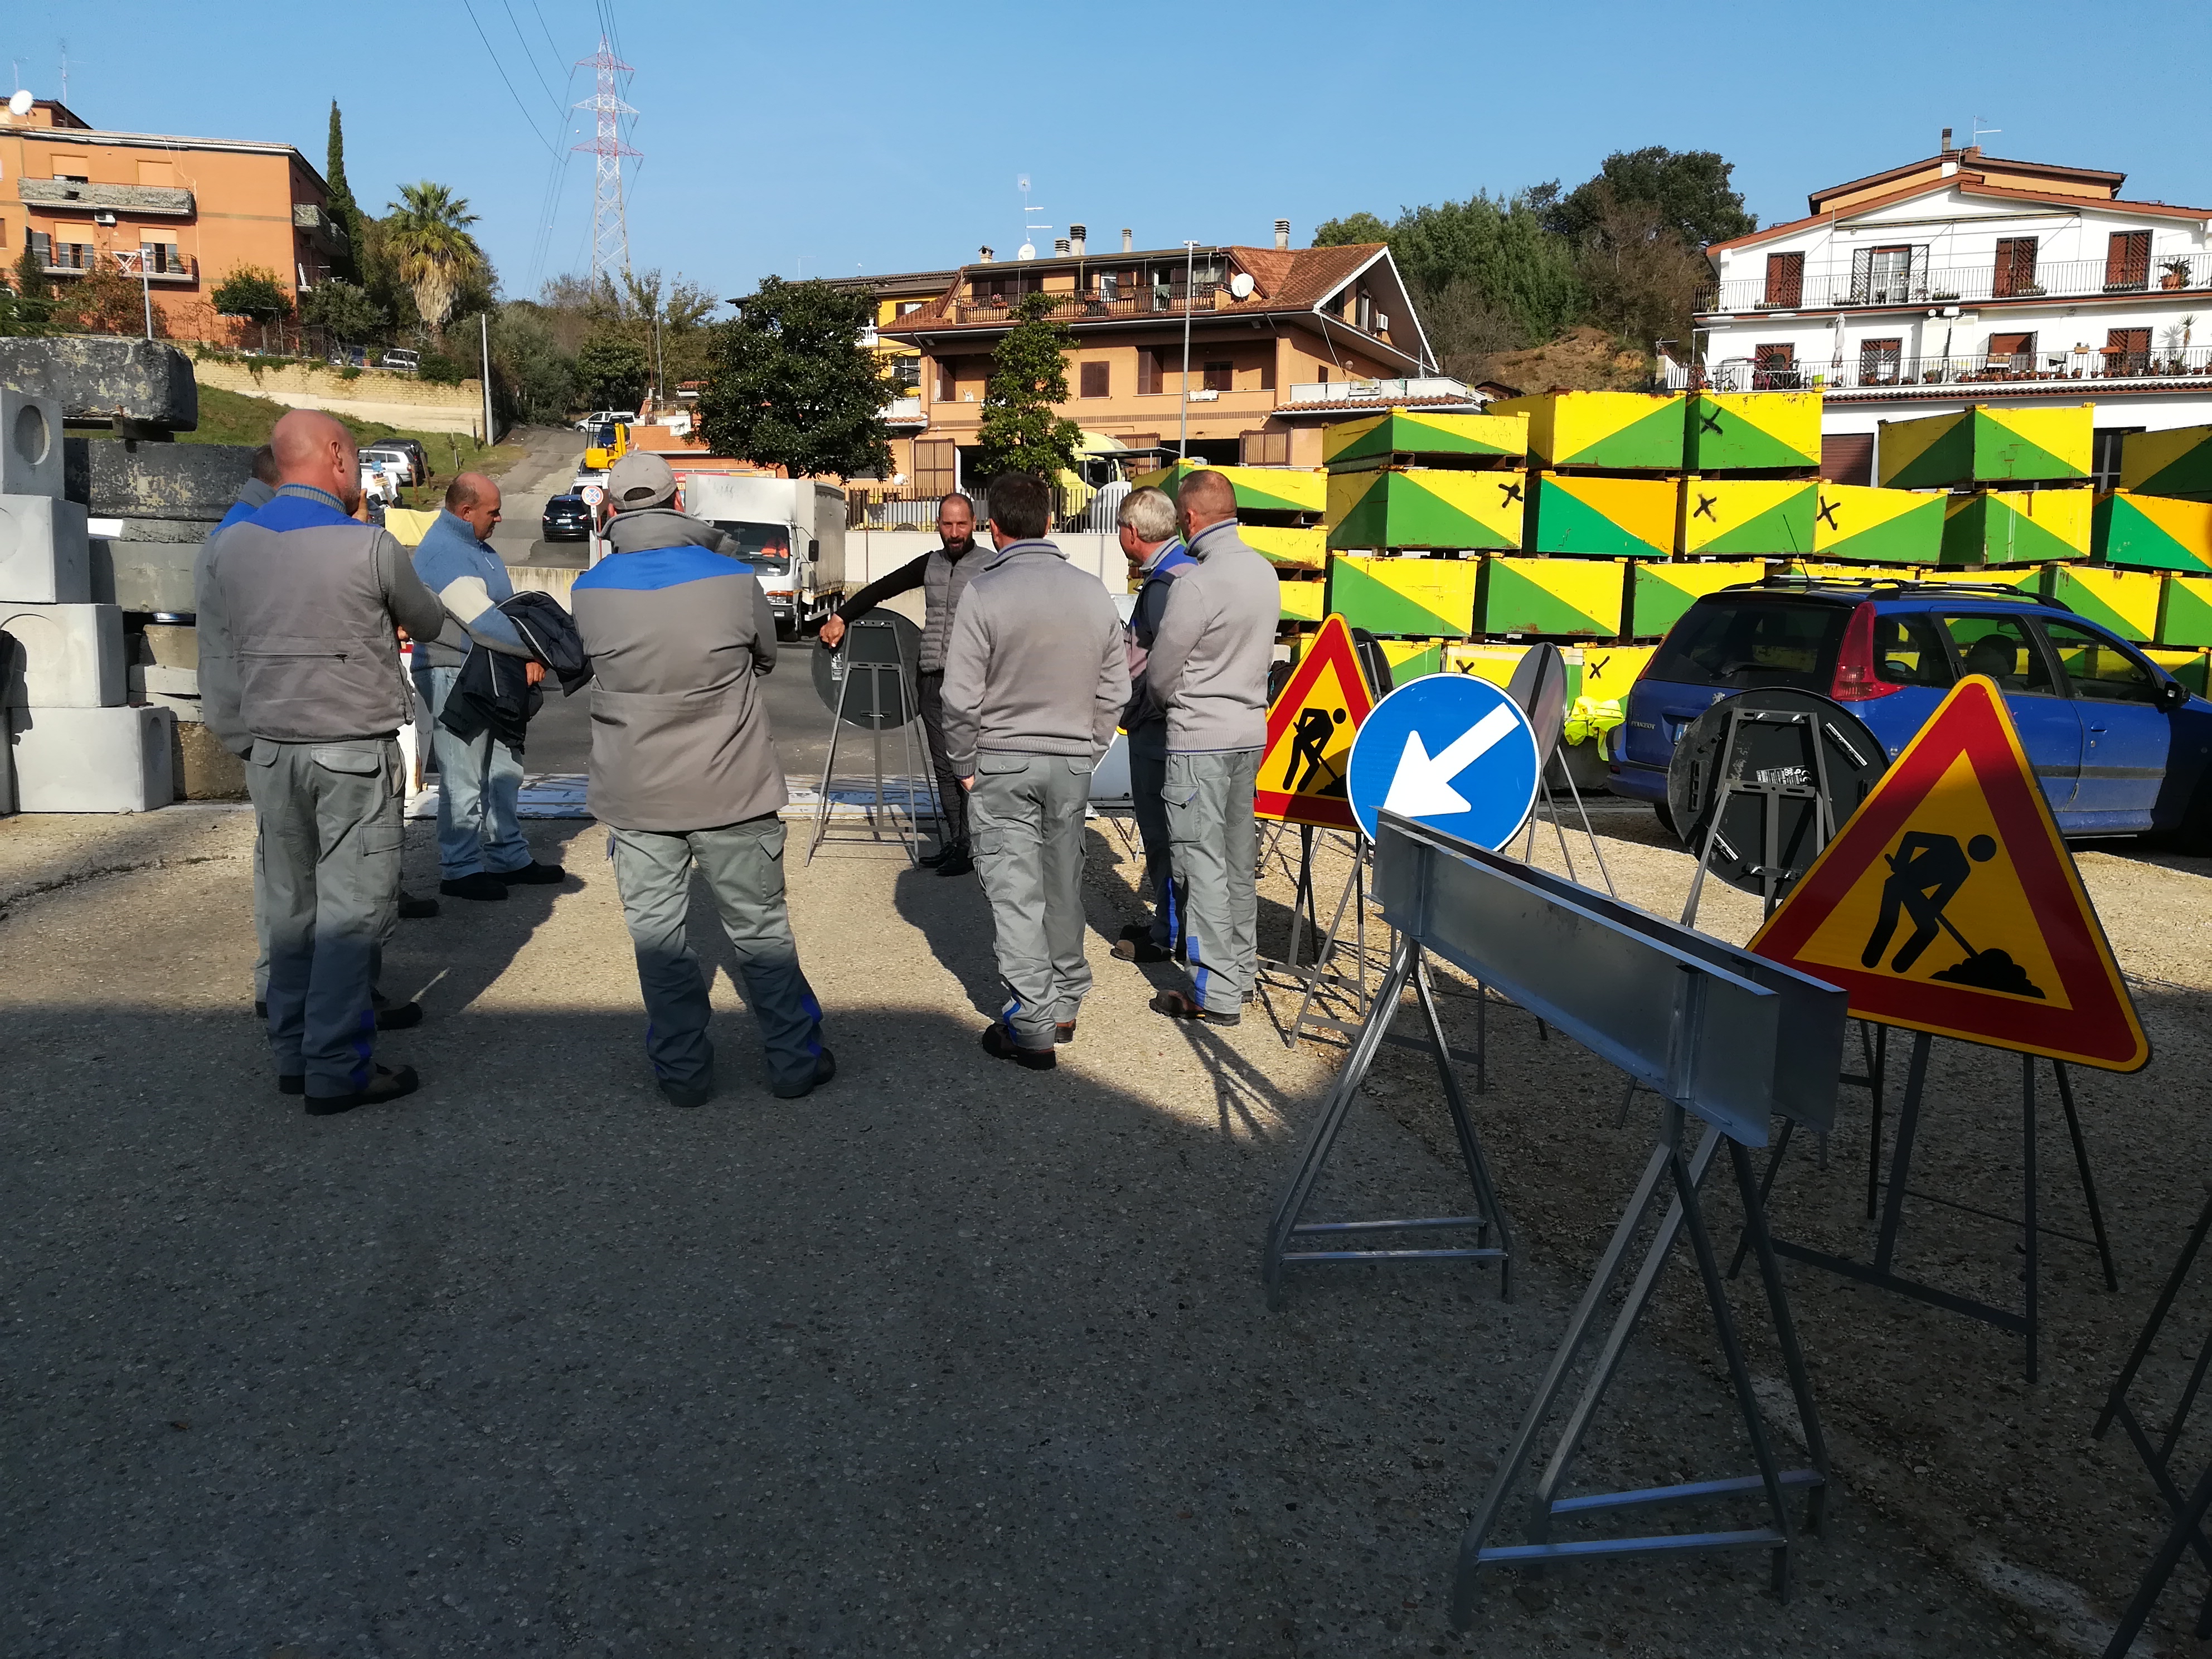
point(638, 480)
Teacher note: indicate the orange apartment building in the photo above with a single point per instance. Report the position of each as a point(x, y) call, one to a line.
point(1281, 339)
point(197, 208)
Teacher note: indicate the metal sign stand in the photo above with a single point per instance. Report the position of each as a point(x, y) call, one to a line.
point(1773, 875)
point(1544, 783)
point(2189, 1513)
point(2025, 1323)
point(1319, 973)
point(1286, 1230)
point(875, 709)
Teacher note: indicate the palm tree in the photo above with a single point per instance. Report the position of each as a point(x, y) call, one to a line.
point(427, 233)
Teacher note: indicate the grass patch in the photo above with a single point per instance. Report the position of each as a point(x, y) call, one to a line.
point(233, 417)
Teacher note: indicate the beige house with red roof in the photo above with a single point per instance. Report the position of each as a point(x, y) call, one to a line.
point(1278, 338)
point(1967, 279)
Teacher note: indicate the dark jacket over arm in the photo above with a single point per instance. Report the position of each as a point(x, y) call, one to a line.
point(904, 580)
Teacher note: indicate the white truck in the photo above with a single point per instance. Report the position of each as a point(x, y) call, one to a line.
point(793, 533)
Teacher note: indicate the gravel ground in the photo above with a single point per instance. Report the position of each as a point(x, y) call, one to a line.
point(949, 1358)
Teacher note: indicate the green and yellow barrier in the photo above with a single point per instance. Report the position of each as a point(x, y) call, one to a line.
point(1412, 659)
point(1603, 518)
point(2184, 612)
point(2125, 601)
point(1608, 671)
point(2175, 462)
point(2152, 533)
point(1287, 547)
point(1752, 431)
point(1747, 515)
point(1573, 598)
point(1426, 506)
point(1385, 595)
point(1660, 592)
point(2192, 668)
point(1259, 488)
point(1881, 526)
point(2016, 526)
point(1375, 440)
point(1304, 601)
point(1628, 431)
point(1983, 445)
point(2028, 578)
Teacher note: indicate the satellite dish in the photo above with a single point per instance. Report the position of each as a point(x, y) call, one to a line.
point(1027, 251)
point(21, 103)
point(1240, 285)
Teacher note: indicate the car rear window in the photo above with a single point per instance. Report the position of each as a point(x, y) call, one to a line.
point(1730, 644)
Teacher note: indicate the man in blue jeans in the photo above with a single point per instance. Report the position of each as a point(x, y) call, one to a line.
point(480, 851)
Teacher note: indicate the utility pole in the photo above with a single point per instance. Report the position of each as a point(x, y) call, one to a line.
point(1190, 271)
point(610, 225)
point(484, 335)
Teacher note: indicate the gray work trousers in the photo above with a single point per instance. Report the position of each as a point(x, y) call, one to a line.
point(1209, 802)
point(1148, 776)
point(1025, 823)
point(743, 864)
point(326, 885)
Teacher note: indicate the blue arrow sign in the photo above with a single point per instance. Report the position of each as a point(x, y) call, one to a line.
point(1452, 750)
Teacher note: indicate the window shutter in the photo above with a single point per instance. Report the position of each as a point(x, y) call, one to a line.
point(1862, 273)
point(1785, 279)
point(933, 466)
point(1096, 380)
point(1263, 448)
point(2127, 260)
point(1847, 458)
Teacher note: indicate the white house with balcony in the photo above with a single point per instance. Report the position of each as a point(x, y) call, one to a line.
point(1964, 279)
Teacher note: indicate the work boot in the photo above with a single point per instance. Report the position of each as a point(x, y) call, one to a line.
point(696, 1093)
point(1140, 949)
point(931, 861)
point(482, 886)
point(397, 1016)
point(956, 862)
point(291, 1083)
point(414, 909)
point(1000, 1046)
point(533, 874)
point(1064, 1033)
point(384, 1085)
point(825, 1067)
point(1176, 1006)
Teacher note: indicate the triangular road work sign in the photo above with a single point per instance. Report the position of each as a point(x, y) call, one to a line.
point(1948, 903)
point(1310, 731)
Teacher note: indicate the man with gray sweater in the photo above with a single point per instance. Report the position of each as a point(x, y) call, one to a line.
point(1036, 680)
point(1208, 669)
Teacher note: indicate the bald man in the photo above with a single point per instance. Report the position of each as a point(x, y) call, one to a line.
point(299, 673)
point(480, 851)
point(1208, 669)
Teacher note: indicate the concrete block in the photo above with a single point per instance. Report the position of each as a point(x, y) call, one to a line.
point(151, 576)
point(93, 760)
point(44, 556)
point(122, 479)
point(151, 678)
point(31, 449)
point(64, 656)
point(103, 377)
point(171, 647)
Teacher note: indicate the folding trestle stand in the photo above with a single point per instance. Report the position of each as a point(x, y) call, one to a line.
point(1292, 1242)
point(2024, 1322)
point(875, 692)
point(1321, 975)
point(1671, 1169)
point(2187, 1533)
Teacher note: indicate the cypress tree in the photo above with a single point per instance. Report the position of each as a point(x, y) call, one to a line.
point(344, 210)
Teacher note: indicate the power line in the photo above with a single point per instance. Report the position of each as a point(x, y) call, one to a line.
point(530, 57)
point(527, 119)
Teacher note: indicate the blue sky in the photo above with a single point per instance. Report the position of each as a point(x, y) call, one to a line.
point(825, 138)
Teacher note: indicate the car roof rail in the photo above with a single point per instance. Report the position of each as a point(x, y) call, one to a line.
point(1800, 580)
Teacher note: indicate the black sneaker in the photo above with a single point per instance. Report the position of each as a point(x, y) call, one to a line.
point(825, 1067)
point(1176, 1006)
point(261, 1010)
point(688, 1094)
point(931, 861)
point(482, 886)
point(291, 1083)
point(384, 1084)
point(1137, 950)
point(414, 909)
point(533, 874)
point(956, 862)
point(1000, 1046)
point(397, 1016)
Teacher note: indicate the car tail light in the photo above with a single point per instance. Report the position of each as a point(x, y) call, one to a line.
point(1855, 679)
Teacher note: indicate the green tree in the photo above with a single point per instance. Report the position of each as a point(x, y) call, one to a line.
point(20, 315)
point(1642, 277)
point(534, 380)
point(611, 370)
point(1021, 432)
point(32, 281)
point(346, 309)
point(789, 384)
point(1487, 268)
point(1688, 189)
point(1354, 228)
point(252, 291)
point(426, 232)
point(344, 211)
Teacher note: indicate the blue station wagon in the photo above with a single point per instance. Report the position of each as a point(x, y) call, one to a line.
point(2120, 747)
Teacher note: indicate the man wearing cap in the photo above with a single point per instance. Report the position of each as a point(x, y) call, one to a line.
point(1036, 680)
point(685, 770)
point(942, 574)
point(480, 851)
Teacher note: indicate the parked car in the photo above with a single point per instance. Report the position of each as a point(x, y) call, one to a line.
point(599, 417)
point(392, 456)
point(402, 359)
point(423, 470)
point(567, 520)
point(2120, 746)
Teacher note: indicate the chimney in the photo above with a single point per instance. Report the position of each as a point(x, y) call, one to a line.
point(986, 255)
point(1060, 247)
point(1283, 234)
point(1076, 236)
point(1128, 240)
point(1947, 141)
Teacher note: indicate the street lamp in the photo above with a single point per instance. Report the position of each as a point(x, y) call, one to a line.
point(123, 258)
point(1189, 272)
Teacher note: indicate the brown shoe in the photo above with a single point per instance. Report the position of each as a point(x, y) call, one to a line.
point(1000, 1046)
point(1064, 1032)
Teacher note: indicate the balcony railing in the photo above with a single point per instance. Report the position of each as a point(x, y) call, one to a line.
point(1148, 302)
point(1991, 282)
point(1978, 372)
point(1349, 392)
point(77, 259)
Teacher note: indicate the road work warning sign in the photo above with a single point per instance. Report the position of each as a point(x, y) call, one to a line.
point(1311, 727)
point(1949, 904)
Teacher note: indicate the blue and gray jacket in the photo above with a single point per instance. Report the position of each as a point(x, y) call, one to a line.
point(1158, 572)
point(470, 581)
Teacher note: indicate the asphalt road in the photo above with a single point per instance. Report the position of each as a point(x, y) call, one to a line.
point(547, 471)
